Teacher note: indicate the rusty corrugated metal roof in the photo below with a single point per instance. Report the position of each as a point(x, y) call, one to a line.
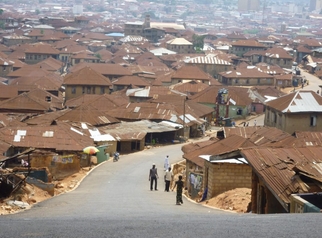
point(230, 144)
point(155, 111)
point(104, 102)
point(88, 114)
point(299, 101)
point(268, 136)
point(197, 145)
point(310, 138)
point(127, 131)
point(61, 137)
point(281, 169)
point(239, 94)
point(190, 72)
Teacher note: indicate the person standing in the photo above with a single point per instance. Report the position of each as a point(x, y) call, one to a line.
point(167, 179)
point(255, 122)
point(166, 163)
point(153, 178)
point(179, 185)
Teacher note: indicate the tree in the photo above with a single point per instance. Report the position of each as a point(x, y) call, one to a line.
point(198, 41)
point(98, 56)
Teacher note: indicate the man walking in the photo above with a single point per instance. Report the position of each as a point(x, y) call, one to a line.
point(153, 178)
point(167, 179)
point(179, 185)
point(166, 163)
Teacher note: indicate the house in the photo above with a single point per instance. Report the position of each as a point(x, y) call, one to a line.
point(15, 39)
point(6, 66)
point(236, 36)
point(35, 34)
point(260, 158)
point(61, 146)
point(129, 82)
point(249, 76)
point(210, 64)
point(278, 173)
point(235, 103)
point(34, 101)
point(189, 88)
point(69, 30)
point(67, 50)
point(104, 102)
point(48, 83)
point(110, 71)
point(87, 114)
point(260, 95)
point(240, 47)
point(81, 20)
point(148, 93)
point(302, 51)
point(84, 56)
point(151, 30)
point(284, 80)
point(189, 73)
point(297, 111)
point(180, 45)
point(134, 136)
point(39, 51)
point(52, 65)
point(215, 176)
point(156, 111)
point(188, 107)
point(278, 56)
point(85, 81)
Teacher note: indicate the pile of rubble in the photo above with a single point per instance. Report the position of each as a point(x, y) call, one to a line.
point(28, 194)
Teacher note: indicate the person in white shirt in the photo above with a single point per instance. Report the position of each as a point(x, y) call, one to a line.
point(167, 179)
point(166, 163)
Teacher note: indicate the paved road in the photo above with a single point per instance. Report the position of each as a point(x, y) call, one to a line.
point(314, 82)
point(115, 201)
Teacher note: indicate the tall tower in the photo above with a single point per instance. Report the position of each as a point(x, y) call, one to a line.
point(78, 7)
point(147, 22)
point(283, 27)
point(315, 5)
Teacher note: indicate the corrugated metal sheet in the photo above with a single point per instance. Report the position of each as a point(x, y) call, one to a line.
point(206, 60)
point(300, 101)
point(268, 136)
point(310, 138)
point(230, 144)
point(303, 102)
point(137, 130)
point(280, 168)
point(155, 111)
point(61, 137)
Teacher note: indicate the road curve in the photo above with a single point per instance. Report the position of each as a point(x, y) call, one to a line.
point(114, 200)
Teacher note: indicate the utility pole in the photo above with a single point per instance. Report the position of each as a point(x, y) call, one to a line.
point(184, 116)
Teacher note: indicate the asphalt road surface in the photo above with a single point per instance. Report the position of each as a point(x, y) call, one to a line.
point(114, 200)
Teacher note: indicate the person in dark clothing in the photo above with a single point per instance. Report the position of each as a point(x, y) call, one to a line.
point(153, 178)
point(179, 185)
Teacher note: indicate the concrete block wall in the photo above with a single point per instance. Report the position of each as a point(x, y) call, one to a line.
point(226, 176)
